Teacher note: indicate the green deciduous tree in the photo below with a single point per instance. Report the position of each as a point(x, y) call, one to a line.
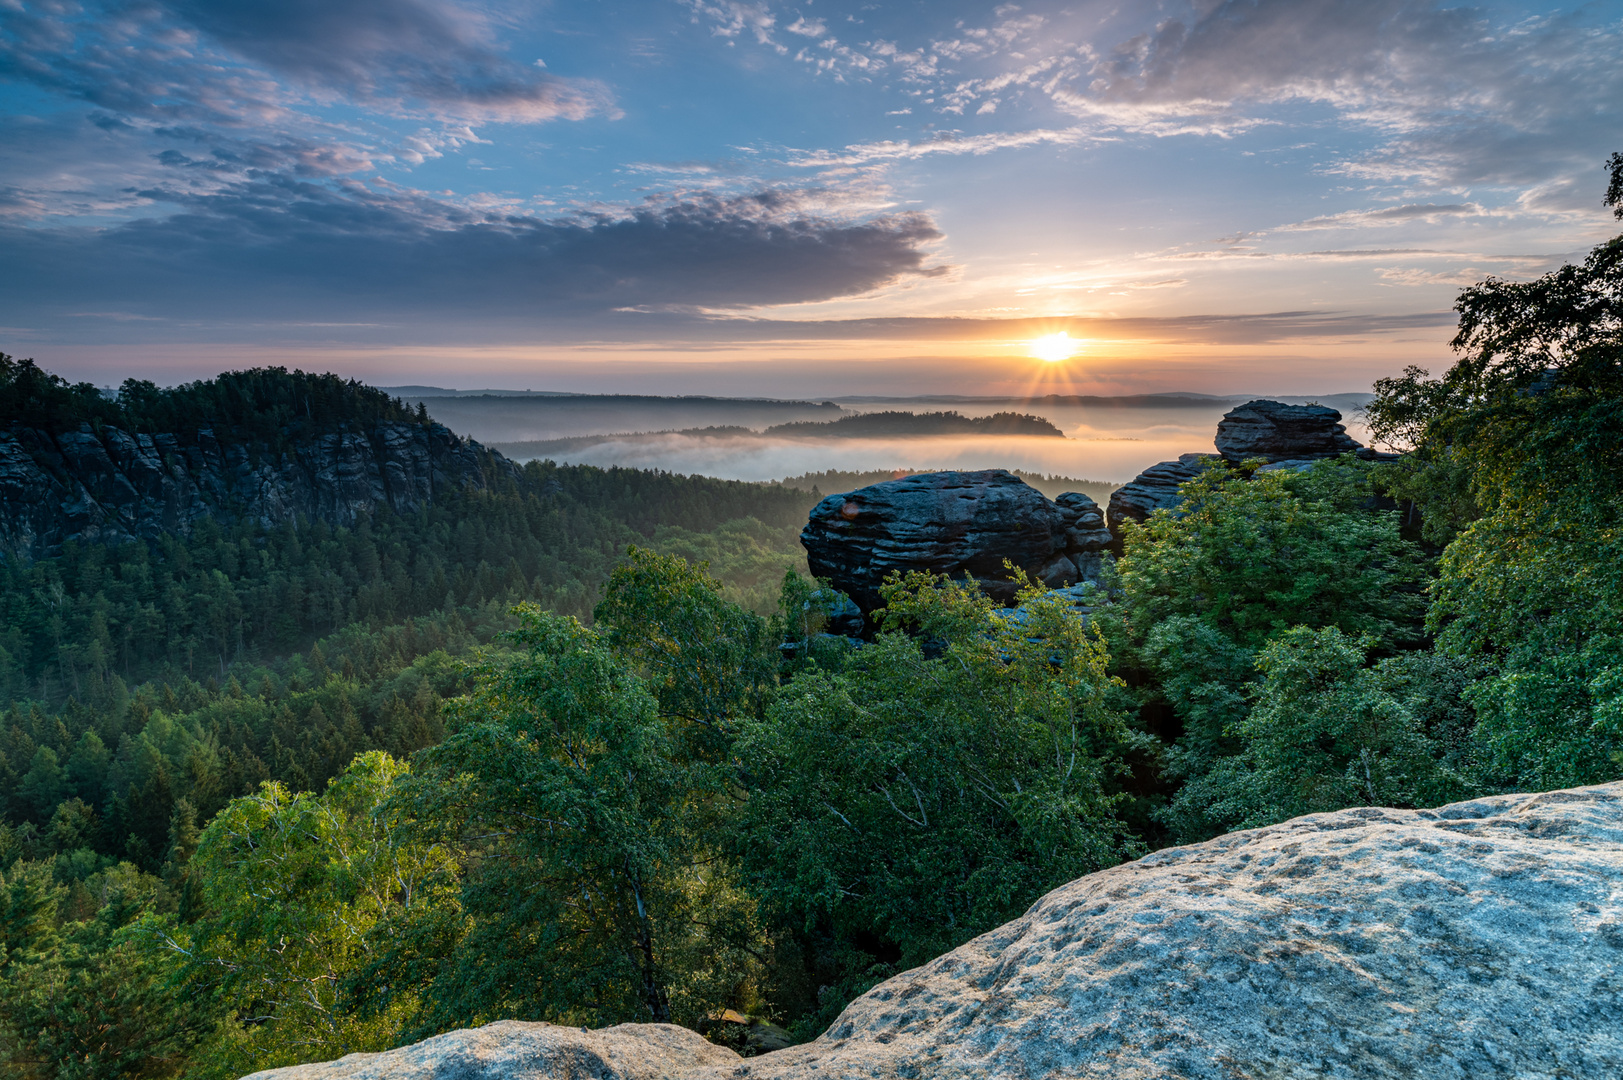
point(290, 885)
point(921, 796)
point(591, 890)
point(1326, 731)
point(1529, 421)
point(1246, 557)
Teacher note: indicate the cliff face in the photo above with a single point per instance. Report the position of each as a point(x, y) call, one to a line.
point(111, 486)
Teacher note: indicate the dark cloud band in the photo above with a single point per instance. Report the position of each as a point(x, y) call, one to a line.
point(280, 250)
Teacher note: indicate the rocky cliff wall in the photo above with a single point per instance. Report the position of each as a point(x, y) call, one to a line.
point(111, 486)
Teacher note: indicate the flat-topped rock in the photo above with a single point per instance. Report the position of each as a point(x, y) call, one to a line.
point(953, 523)
point(1278, 432)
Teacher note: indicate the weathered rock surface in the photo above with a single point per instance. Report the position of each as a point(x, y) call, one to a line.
point(517, 1050)
point(112, 486)
point(1280, 432)
point(1483, 939)
point(1156, 488)
point(952, 523)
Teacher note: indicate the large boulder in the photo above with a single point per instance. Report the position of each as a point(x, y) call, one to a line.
point(517, 1050)
point(1278, 432)
point(953, 523)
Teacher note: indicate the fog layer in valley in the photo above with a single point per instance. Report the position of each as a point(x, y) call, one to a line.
point(508, 418)
point(1106, 439)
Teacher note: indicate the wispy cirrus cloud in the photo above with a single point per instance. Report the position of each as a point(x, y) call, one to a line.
point(947, 142)
point(1386, 216)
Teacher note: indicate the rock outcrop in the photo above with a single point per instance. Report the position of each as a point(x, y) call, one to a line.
point(1156, 488)
point(1482, 939)
point(1286, 436)
point(110, 486)
point(1279, 432)
point(517, 1050)
point(952, 523)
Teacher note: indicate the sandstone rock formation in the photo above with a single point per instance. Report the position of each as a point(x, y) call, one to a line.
point(952, 523)
point(111, 486)
point(1482, 939)
point(1287, 436)
point(1156, 488)
point(1280, 432)
point(516, 1050)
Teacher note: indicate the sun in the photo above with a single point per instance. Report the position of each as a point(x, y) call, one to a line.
point(1054, 347)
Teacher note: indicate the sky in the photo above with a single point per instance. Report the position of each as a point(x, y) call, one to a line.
point(812, 199)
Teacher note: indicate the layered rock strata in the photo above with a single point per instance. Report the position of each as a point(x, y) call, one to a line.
point(1284, 436)
point(1156, 488)
point(110, 486)
point(1275, 431)
point(953, 523)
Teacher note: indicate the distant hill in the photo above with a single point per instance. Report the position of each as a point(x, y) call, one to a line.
point(879, 425)
point(265, 446)
point(515, 418)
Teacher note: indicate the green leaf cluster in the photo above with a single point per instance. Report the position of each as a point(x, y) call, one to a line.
point(932, 785)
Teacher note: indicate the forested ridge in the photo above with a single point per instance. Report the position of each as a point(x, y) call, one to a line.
point(632, 789)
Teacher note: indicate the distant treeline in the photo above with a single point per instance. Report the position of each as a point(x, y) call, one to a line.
point(262, 404)
point(888, 424)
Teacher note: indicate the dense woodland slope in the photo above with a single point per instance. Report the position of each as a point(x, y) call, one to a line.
point(265, 802)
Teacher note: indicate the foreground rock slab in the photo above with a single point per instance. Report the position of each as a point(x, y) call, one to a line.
point(517, 1050)
point(1483, 939)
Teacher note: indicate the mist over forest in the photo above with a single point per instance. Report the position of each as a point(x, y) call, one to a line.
point(1109, 440)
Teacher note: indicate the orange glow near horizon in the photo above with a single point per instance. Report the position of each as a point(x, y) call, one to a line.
point(1052, 348)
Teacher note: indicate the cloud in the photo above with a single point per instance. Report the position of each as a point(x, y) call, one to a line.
point(1412, 276)
point(195, 95)
point(1429, 213)
point(277, 249)
point(436, 56)
point(232, 63)
point(1252, 329)
point(1455, 97)
point(945, 143)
